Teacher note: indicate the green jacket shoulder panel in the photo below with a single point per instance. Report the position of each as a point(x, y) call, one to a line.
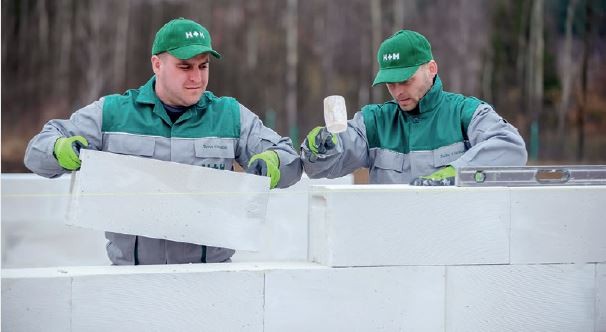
point(385, 127)
point(464, 106)
point(122, 113)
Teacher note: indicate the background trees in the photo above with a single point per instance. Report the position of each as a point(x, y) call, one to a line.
point(540, 63)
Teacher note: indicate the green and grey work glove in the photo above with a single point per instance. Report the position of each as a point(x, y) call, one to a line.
point(443, 177)
point(266, 164)
point(67, 151)
point(320, 141)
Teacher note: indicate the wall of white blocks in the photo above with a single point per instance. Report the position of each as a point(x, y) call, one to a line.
point(34, 233)
point(387, 258)
point(285, 296)
point(405, 225)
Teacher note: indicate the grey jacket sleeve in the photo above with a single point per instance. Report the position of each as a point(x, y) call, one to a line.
point(256, 138)
point(494, 142)
point(350, 153)
point(86, 122)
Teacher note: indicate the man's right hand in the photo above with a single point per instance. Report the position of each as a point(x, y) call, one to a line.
point(67, 150)
point(320, 141)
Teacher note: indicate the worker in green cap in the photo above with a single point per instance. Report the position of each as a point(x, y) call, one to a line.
point(173, 118)
point(421, 136)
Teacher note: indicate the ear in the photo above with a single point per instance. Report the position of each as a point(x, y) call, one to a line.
point(433, 67)
point(156, 64)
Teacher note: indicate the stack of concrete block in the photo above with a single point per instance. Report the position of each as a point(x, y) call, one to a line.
point(34, 233)
point(386, 258)
point(193, 297)
point(305, 296)
point(405, 225)
point(222, 297)
point(514, 259)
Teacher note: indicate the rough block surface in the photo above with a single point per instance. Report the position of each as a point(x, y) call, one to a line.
point(556, 297)
point(558, 224)
point(404, 225)
point(355, 299)
point(167, 200)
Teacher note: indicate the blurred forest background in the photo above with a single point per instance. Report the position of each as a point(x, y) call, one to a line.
point(539, 62)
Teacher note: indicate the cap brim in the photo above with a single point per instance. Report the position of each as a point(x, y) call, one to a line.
point(394, 75)
point(190, 51)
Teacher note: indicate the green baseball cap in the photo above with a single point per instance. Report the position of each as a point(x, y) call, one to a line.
point(401, 55)
point(183, 39)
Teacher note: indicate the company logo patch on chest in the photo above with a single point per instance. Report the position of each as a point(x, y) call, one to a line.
point(214, 148)
point(451, 154)
point(447, 154)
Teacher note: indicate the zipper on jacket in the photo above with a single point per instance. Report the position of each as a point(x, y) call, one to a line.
point(136, 253)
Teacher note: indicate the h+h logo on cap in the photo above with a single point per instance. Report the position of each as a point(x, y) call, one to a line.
point(391, 56)
point(193, 34)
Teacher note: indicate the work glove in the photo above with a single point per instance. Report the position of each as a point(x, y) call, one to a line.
point(320, 141)
point(442, 177)
point(267, 164)
point(67, 151)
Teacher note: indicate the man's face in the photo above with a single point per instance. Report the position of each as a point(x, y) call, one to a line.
point(180, 82)
point(408, 93)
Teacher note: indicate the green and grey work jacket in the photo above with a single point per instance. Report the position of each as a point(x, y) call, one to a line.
point(398, 146)
point(214, 133)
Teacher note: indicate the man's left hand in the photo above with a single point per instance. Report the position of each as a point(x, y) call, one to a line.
point(267, 164)
point(443, 177)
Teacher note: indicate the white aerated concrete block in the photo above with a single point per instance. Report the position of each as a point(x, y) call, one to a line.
point(185, 297)
point(285, 232)
point(600, 320)
point(558, 224)
point(33, 230)
point(558, 297)
point(22, 192)
point(406, 225)
point(355, 299)
point(39, 237)
point(217, 301)
point(40, 244)
point(166, 200)
point(31, 303)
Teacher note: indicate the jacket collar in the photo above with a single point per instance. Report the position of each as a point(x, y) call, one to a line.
point(147, 94)
point(433, 97)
